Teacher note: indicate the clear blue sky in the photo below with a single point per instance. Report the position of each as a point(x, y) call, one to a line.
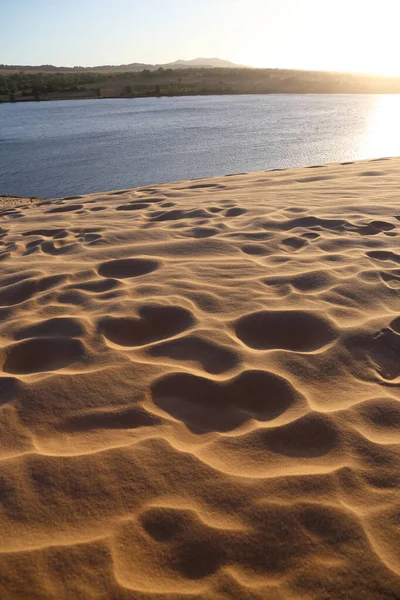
point(312, 34)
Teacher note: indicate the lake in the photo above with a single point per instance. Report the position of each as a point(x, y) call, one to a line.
point(54, 149)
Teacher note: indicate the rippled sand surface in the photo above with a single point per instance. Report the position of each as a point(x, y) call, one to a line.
point(200, 389)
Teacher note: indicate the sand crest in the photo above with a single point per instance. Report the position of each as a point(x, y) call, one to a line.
point(200, 389)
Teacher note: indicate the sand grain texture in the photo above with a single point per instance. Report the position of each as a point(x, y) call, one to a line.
point(200, 389)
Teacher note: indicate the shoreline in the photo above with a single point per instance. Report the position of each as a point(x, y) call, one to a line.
point(205, 179)
point(197, 95)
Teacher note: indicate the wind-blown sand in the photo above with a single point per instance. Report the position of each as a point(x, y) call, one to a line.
point(200, 388)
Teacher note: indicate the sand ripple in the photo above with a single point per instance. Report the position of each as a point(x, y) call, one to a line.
point(200, 390)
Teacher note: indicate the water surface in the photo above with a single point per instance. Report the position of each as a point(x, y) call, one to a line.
point(53, 149)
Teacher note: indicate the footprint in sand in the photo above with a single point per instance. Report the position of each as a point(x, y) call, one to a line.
point(133, 206)
point(213, 357)
point(124, 268)
point(41, 354)
point(298, 331)
point(66, 208)
point(205, 405)
point(154, 323)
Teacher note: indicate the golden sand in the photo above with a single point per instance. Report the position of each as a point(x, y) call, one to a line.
point(199, 389)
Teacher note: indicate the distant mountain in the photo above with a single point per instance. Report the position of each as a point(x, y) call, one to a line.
point(214, 63)
point(204, 63)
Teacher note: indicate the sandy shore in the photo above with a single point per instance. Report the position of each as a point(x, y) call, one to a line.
point(199, 389)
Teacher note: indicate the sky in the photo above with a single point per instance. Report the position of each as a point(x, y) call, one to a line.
point(334, 35)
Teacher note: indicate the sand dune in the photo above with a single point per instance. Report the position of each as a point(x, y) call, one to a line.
point(200, 389)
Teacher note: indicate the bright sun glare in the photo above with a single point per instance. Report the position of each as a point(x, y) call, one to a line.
point(347, 35)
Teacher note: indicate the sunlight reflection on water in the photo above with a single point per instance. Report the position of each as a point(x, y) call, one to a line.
point(382, 135)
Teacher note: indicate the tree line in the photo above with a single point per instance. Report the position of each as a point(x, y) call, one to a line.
point(18, 86)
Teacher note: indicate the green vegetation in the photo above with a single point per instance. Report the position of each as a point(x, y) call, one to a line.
point(23, 85)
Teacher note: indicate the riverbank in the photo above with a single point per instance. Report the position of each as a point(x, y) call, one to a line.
point(27, 85)
point(200, 389)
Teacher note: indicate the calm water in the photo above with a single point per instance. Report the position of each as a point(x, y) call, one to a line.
point(52, 149)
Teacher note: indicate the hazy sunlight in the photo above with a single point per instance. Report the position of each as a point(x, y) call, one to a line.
point(359, 36)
